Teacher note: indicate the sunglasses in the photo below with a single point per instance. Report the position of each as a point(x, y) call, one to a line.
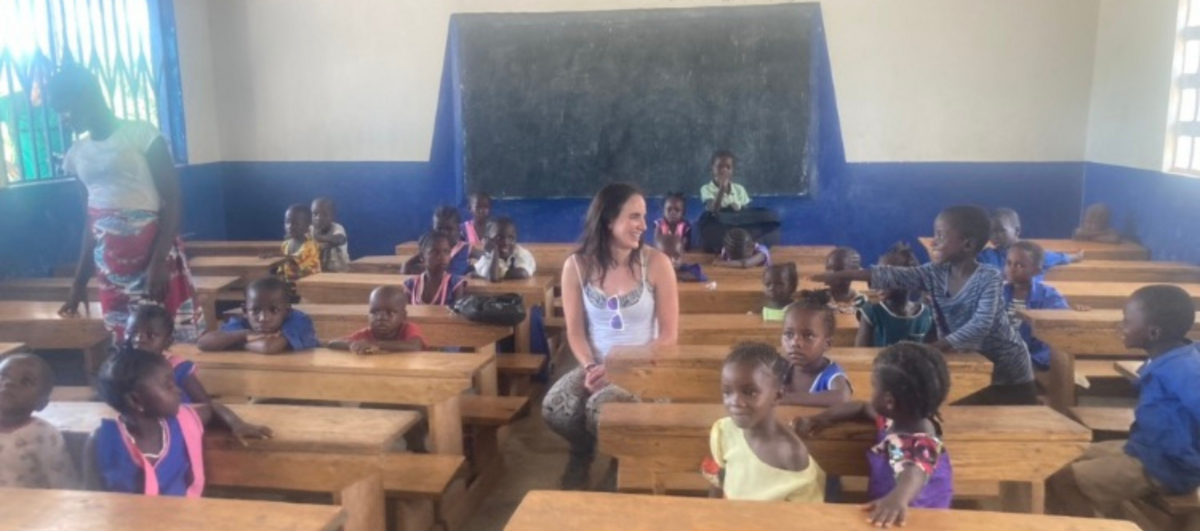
point(614, 305)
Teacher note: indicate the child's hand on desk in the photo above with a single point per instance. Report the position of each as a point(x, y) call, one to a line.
point(246, 430)
point(363, 348)
point(1074, 257)
point(943, 345)
point(886, 511)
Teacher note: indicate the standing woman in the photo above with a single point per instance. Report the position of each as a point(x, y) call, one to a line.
point(133, 209)
point(616, 292)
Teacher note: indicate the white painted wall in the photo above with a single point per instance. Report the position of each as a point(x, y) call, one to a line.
point(1135, 46)
point(915, 80)
point(199, 101)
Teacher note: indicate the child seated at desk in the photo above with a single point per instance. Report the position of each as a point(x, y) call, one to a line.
point(151, 329)
point(32, 452)
point(753, 455)
point(436, 285)
point(896, 317)
point(474, 230)
point(742, 252)
point(811, 379)
point(458, 256)
point(155, 446)
point(726, 207)
point(968, 303)
point(846, 299)
point(1006, 231)
point(388, 328)
point(672, 246)
point(330, 237)
point(780, 282)
point(503, 258)
point(673, 220)
point(1024, 289)
point(909, 465)
point(269, 324)
point(1163, 451)
point(303, 255)
point(1095, 226)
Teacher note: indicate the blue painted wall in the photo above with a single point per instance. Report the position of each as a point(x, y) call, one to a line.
point(1160, 210)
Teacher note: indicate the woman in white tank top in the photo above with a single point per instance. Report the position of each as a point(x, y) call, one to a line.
point(616, 292)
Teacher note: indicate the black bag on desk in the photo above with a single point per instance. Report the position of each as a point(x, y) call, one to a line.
point(506, 309)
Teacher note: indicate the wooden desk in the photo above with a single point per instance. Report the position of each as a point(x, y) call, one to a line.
point(433, 380)
point(1076, 335)
point(1110, 295)
point(1124, 271)
point(651, 441)
point(380, 265)
point(295, 428)
point(65, 510)
point(440, 326)
point(735, 295)
point(57, 289)
point(732, 328)
point(11, 348)
point(693, 373)
point(38, 326)
point(231, 248)
point(549, 257)
point(588, 511)
point(1128, 369)
point(246, 268)
point(355, 288)
point(1091, 250)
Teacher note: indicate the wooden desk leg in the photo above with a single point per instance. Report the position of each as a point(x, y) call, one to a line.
point(208, 308)
point(94, 356)
point(445, 428)
point(1062, 380)
point(1023, 497)
point(364, 504)
point(522, 334)
point(488, 379)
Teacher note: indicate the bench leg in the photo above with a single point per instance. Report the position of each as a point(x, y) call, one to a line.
point(1061, 393)
point(364, 504)
point(414, 515)
point(94, 356)
point(1023, 497)
point(445, 428)
point(488, 379)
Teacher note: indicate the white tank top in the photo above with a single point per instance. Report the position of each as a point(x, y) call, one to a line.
point(637, 314)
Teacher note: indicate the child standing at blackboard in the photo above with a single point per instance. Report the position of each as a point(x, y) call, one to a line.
point(726, 206)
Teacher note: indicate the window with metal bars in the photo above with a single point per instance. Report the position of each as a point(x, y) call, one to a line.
point(129, 45)
point(1183, 124)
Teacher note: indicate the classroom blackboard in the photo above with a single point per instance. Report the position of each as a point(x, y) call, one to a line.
point(557, 104)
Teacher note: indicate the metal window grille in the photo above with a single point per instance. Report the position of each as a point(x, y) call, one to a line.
point(1183, 123)
point(129, 45)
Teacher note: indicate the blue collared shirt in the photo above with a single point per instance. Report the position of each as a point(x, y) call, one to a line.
point(1165, 435)
point(297, 329)
point(998, 256)
point(1041, 297)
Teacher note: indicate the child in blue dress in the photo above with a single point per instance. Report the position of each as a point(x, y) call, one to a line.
point(909, 465)
point(269, 324)
point(1006, 230)
point(152, 329)
point(742, 252)
point(446, 221)
point(1024, 289)
point(436, 285)
point(673, 220)
point(812, 379)
point(968, 303)
point(896, 317)
point(154, 447)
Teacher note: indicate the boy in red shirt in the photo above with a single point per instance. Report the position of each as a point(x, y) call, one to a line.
point(389, 329)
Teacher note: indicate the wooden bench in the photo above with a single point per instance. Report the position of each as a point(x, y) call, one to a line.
point(1124, 271)
point(303, 430)
point(246, 268)
point(431, 380)
point(1106, 423)
point(1165, 513)
point(587, 511)
point(730, 296)
point(440, 326)
point(1110, 295)
point(517, 372)
point(485, 416)
point(208, 291)
point(1091, 250)
point(1128, 369)
point(549, 257)
point(693, 373)
point(1075, 336)
point(252, 249)
point(355, 288)
point(732, 328)
point(650, 440)
point(39, 327)
point(70, 510)
point(380, 265)
point(11, 348)
point(73, 393)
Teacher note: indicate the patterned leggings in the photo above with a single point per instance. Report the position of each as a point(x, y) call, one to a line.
point(574, 414)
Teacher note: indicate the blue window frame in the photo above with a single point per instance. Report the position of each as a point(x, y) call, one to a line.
point(128, 44)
